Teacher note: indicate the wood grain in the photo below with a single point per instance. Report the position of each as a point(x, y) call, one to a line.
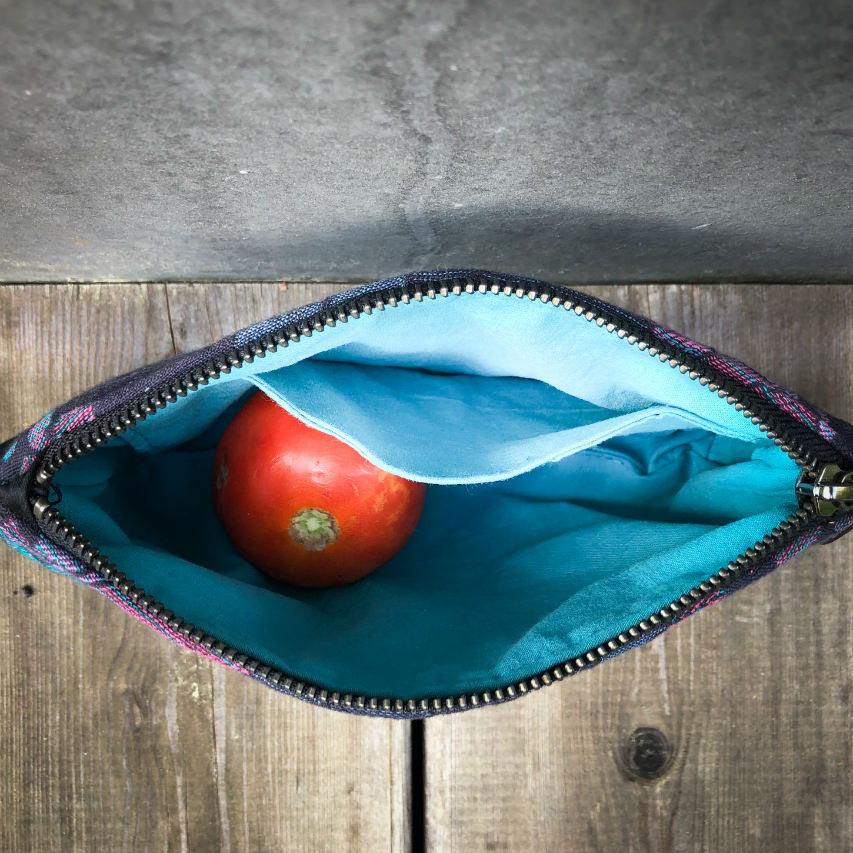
point(114, 739)
point(752, 694)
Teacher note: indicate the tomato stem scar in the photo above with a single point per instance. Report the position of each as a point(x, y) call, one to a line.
point(313, 528)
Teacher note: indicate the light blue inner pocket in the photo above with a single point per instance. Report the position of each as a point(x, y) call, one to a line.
point(576, 485)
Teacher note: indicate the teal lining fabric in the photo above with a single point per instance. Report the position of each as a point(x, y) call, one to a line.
point(575, 485)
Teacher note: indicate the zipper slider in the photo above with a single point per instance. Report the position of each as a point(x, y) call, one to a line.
point(830, 490)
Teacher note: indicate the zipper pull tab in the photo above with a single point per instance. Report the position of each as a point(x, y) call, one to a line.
point(830, 491)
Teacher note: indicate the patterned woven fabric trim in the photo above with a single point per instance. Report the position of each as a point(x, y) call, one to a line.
point(823, 424)
point(24, 449)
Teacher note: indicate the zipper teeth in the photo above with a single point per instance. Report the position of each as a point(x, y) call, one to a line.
point(92, 436)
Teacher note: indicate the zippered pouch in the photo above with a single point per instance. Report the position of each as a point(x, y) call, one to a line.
point(592, 479)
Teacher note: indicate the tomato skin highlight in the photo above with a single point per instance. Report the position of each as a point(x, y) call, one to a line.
point(304, 507)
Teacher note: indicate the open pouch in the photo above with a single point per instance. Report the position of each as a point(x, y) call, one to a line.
point(592, 478)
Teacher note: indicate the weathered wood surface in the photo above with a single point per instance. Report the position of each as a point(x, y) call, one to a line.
point(752, 694)
point(116, 740)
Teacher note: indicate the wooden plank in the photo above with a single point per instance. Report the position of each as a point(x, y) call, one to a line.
point(100, 721)
point(115, 740)
point(752, 694)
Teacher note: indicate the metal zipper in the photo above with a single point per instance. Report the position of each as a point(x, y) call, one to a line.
point(829, 488)
point(823, 488)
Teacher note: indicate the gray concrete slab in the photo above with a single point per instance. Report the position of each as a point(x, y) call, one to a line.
point(620, 141)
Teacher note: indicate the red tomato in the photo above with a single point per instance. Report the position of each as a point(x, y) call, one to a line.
point(302, 506)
